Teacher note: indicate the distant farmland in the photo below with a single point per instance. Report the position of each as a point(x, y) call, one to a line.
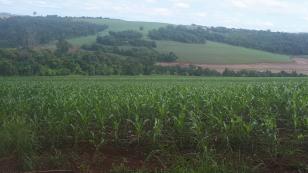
point(117, 25)
point(218, 53)
point(210, 53)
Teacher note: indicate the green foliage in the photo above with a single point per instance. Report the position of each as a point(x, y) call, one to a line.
point(212, 52)
point(115, 25)
point(26, 31)
point(126, 35)
point(276, 42)
point(222, 122)
point(18, 138)
point(27, 62)
point(7, 68)
point(179, 33)
point(101, 60)
point(218, 53)
point(62, 46)
point(122, 38)
point(170, 57)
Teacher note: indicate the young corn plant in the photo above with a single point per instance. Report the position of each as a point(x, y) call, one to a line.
point(157, 130)
point(139, 125)
point(199, 131)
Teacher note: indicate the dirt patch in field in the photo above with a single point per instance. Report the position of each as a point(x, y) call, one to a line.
point(114, 157)
point(300, 65)
point(9, 165)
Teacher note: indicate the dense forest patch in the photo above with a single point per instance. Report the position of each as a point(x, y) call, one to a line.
point(276, 42)
point(26, 31)
point(122, 38)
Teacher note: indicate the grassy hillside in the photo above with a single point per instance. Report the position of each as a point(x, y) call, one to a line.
point(212, 52)
point(117, 25)
point(218, 53)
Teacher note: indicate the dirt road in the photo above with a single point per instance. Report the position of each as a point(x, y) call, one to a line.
point(300, 65)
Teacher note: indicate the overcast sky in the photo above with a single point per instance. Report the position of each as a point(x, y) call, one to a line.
point(277, 15)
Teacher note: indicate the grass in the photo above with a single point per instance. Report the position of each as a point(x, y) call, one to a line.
point(180, 124)
point(218, 53)
point(116, 25)
point(210, 53)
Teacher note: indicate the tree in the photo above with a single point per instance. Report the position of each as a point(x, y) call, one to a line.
point(27, 31)
point(7, 68)
point(62, 46)
point(122, 38)
point(184, 34)
point(276, 42)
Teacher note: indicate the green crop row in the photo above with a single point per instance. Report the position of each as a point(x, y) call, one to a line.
point(217, 122)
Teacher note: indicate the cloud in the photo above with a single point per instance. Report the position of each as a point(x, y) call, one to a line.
point(239, 3)
point(284, 7)
point(257, 3)
point(286, 15)
point(235, 22)
point(91, 7)
point(141, 10)
point(264, 24)
point(182, 5)
point(161, 11)
point(151, 1)
point(200, 14)
point(5, 2)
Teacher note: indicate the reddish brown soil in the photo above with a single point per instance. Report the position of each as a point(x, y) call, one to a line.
point(300, 65)
point(9, 165)
point(88, 161)
point(284, 165)
point(110, 157)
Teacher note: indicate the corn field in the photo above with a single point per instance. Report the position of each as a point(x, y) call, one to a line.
point(181, 124)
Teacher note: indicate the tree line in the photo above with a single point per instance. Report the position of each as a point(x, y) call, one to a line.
point(30, 62)
point(179, 33)
point(26, 31)
point(198, 71)
point(122, 38)
point(96, 59)
point(275, 42)
point(136, 46)
point(100, 59)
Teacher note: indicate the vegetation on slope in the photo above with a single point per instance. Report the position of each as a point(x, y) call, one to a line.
point(115, 25)
point(218, 53)
point(123, 38)
point(102, 59)
point(26, 31)
point(179, 33)
point(96, 59)
point(276, 42)
point(212, 52)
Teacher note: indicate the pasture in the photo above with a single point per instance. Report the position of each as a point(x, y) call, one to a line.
point(218, 53)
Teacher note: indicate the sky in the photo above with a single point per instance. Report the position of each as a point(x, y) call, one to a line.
point(276, 15)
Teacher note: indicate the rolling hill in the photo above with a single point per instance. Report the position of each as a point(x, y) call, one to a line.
point(210, 53)
point(218, 53)
point(116, 25)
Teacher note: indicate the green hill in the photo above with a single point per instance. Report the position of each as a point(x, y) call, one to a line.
point(116, 25)
point(218, 53)
point(212, 52)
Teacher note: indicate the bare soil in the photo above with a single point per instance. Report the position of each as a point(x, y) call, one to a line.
point(88, 160)
point(9, 165)
point(300, 65)
point(110, 157)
